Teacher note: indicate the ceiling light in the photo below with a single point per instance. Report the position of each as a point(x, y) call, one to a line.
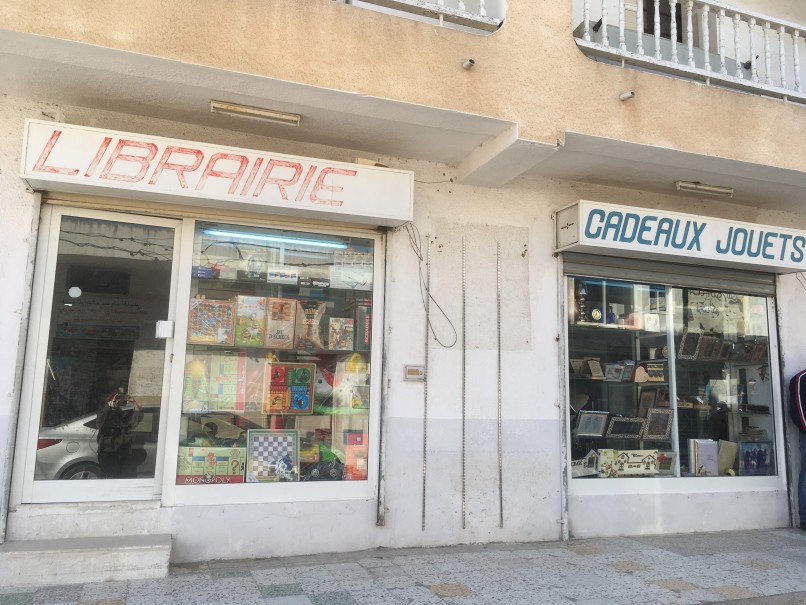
point(276, 238)
point(255, 113)
point(697, 187)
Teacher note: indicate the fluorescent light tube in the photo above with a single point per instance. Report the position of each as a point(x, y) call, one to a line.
point(276, 238)
point(697, 187)
point(255, 113)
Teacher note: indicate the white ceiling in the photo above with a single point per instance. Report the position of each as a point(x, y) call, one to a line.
point(485, 151)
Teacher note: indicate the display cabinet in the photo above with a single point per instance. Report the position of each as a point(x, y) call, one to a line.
point(277, 370)
point(667, 381)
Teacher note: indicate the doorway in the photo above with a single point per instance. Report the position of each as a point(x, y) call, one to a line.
point(99, 368)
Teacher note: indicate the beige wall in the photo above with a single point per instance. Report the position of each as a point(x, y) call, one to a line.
point(530, 71)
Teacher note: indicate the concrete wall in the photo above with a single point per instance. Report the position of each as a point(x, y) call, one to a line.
point(517, 216)
point(530, 71)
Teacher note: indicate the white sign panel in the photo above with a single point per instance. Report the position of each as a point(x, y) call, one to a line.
point(78, 159)
point(641, 233)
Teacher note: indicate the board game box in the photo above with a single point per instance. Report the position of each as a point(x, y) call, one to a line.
point(280, 323)
point(250, 321)
point(340, 334)
point(210, 465)
point(310, 326)
point(289, 388)
point(272, 456)
point(211, 321)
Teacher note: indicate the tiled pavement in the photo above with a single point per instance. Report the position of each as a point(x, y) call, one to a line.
point(748, 568)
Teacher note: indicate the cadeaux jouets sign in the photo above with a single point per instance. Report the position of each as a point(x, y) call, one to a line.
point(606, 228)
point(63, 157)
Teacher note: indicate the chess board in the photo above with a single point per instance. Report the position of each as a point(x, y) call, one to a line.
point(268, 454)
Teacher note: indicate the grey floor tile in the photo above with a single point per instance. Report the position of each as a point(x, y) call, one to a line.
point(16, 598)
point(293, 600)
point(332, 598)
point(281, 590)
point(58, 594)
point(103, 590)
point(722, 542)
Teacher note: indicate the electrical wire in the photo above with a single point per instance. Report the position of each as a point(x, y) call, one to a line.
point(415, 241)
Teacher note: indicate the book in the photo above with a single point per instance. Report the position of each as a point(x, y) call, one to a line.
point(340, 334)
point(280, 323)
point(211, 321)
point(250, 321)
point(309, 332)
point(703, 455)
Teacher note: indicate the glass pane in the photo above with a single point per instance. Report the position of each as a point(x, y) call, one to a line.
point(620, 411)
point(277, 372)
point(724, 391)
point(103, 383)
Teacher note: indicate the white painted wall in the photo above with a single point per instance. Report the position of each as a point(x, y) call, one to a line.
point(518, 217)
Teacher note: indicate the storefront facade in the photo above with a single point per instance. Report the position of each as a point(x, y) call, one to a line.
point(275, 348)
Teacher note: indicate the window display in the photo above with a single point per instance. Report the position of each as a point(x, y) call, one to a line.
point(277, 372)
point(668, 381)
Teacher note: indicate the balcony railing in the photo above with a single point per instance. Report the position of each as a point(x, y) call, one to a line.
point(707, 41)
point(478, 16)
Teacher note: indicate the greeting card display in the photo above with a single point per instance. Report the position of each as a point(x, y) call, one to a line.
point(272, 456)
point(210, 465)
point(310, 327)
point(211, 321)
point(281, 318)
point(250, 321)
point(340, 334)
point(289, 388)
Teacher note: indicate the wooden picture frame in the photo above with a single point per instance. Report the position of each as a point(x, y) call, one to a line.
point(595, 368)
point(666, 463)
point(646, 400)
point(756, 458)
point(689, 346)
point(613, 372)
point(591, 423)
point(658, 425)
point(625, 428)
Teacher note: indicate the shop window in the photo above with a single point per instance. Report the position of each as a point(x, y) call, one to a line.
point(277, 373)
point(668, 381)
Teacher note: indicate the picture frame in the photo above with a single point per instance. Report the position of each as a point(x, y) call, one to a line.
point(666, 462)
point(613, 372)
point(658, 425)
point(579, 367)
point(756, 458)
point(626, 428)
point(591, 423)
point(663, 400)
point(646, 400)
point(595, 368)
point(689, 346)
point(651, 322)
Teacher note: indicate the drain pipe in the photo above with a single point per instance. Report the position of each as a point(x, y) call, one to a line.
point(562, 401)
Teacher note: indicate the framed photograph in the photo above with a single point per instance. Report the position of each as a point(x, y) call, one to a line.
point(689, 345)
point(662, 400)
point(658, 424)
point(626, 428)
point(756, 458)
point(646, 400)
point(613, 371)
point(666, 462)
point(595, 368)
point(591, 424)
point(580, 367)
point(651, 322)
point(272, 456)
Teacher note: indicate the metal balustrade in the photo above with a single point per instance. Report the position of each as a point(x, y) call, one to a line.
point(480, 16)
point(707, 41)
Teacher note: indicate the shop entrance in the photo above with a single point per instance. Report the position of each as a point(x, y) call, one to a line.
point(99, 373)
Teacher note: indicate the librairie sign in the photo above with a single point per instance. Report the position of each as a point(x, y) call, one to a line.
point(78, 159)
point(640, 233)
